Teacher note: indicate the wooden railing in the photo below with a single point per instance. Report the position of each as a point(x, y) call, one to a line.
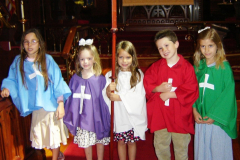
point(71, 47)
point(102, 40)
point(144, 41)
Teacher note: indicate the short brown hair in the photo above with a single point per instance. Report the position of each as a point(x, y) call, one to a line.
point(167, 33)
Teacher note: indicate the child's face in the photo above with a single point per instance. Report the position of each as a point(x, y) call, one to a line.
point(208, 49)
point(86, 60)
point(31, 45)
point(167, 48)
point(124, 60)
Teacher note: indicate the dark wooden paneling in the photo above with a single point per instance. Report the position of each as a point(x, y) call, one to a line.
point(15, 134)
point(10, 133)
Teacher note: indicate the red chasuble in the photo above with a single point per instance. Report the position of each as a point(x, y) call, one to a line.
point(178, 116)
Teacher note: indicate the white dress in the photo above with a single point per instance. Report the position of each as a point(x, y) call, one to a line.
point(130, 113)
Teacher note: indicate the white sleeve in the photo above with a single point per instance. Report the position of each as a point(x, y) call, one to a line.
point(105, 97)
point(134, 100)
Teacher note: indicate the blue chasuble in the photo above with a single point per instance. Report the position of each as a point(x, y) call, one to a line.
point(33, 96)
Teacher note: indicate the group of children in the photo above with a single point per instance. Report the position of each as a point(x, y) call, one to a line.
point(166, 99)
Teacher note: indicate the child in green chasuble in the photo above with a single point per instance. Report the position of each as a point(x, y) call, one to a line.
point(215, 111)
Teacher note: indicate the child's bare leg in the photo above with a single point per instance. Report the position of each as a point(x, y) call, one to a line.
point(122, 153)
point(55, 153)
point(88, 153)
point(132, 149)
point(100, 151)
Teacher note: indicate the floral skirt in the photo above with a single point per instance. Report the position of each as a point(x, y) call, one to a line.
point(86, 138)
point(127, 136)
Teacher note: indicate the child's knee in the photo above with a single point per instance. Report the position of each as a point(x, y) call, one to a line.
point(122, 143)
point(131, 143)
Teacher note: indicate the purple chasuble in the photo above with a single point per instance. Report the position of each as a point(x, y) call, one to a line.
point(87, 110)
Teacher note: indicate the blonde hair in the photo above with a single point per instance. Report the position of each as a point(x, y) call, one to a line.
point(40, 59)
point(129, 48)
point(213, 36)
point(97, 63)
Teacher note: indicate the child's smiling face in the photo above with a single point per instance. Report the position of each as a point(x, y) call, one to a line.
point(124, 60)
point(86, 59)
point(167, 49)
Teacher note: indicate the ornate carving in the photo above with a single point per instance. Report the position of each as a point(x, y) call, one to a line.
point(160, 14)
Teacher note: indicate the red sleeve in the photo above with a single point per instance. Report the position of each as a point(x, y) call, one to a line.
point(188, 92)
point(150, 80)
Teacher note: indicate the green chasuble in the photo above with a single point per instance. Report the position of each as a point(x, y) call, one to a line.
point(217, 98)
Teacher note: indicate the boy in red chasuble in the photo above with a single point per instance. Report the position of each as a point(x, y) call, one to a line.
point(171, 89)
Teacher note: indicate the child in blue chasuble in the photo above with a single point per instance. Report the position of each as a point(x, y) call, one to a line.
point(36, 86)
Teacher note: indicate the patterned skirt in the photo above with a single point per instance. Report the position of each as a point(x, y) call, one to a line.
point(86, 138)
point(127, 136)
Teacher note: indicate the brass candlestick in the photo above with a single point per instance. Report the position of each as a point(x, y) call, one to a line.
point(23, 21)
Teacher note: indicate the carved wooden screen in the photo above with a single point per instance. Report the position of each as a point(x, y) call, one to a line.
point(158, 14)
point(157, 2)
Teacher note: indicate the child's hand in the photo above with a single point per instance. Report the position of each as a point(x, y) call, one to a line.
point(164, 87)
point(114, 97)
point(60, 112)
point(112, 86)
point(197, 116)
point(5, 93)
point(108, 91)
point(208, 121)
point(165, 96)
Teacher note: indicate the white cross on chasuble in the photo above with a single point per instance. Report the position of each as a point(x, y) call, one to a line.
point(170, 80)
point(205, 84)
point(35, 73)
point(82, 96)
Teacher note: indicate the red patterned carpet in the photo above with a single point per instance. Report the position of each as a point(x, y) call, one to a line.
point(145, 151)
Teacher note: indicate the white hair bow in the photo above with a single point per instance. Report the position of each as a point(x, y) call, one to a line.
point(199, 31)
point(84, 42)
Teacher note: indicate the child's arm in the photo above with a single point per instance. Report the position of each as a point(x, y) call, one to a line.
point(60, 112)
point(197, 116)
point(108, 91)
point(112, 96)
point(60, 87)
point(5, 93)
point(164, 87)
point(166, 95)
